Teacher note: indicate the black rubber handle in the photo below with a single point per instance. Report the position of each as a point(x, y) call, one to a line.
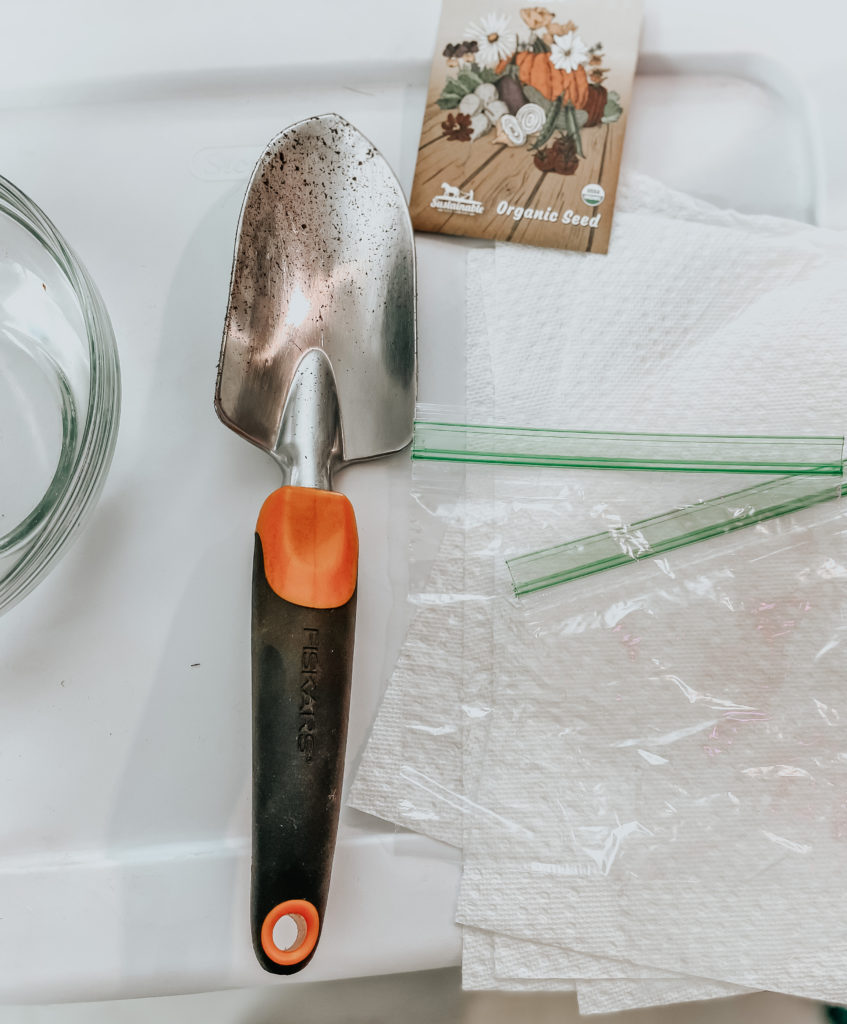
point(302, 662)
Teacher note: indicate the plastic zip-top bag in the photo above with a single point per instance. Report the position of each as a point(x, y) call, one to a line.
point(663, 773)
point(623, 543)
point(439, 436)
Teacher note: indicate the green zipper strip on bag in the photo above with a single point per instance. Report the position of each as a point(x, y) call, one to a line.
point(524, 446)
point(620, 546)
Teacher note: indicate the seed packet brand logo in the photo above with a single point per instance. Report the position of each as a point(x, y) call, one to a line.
point(593, 195)
point(456, 201)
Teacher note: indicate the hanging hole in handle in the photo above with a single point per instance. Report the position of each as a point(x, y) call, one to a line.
point(290, 932)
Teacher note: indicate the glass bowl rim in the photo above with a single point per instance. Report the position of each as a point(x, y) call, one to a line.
point(75, 486)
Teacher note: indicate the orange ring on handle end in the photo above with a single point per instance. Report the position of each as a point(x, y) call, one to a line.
point(307, 936)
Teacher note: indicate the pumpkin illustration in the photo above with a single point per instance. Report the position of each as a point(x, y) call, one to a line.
point(536, 69)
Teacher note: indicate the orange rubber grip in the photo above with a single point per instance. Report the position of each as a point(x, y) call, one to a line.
point(310, 546)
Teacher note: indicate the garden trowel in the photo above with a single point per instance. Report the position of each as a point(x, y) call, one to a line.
point(317, 368)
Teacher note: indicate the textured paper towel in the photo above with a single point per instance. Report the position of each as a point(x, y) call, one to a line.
point(791, 266)
point(533, 389)
point(478, 958)
point(470, 393)
point(517, 958)
point(478, 639)
point(419, 784)
point(696, 321)
point(474, 683)
point(478, 970)
point(481, 973)
point(480, 278)
point(410, 772)
point(604, 985)
point(414, 803)
point(475, 678)
point(384, 788)
point(434, 709)
point(617, 995)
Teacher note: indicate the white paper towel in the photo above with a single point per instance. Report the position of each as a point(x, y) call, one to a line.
point(411, 776)
point(696, 321)
point(613, 996)
point(480, 343)
point(419, 784)
point(515, 293)
point(410, 772)
point(479, 972)
point(547, 392)
point(517, 958)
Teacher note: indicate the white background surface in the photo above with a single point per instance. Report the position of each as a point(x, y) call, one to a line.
point(124, 678)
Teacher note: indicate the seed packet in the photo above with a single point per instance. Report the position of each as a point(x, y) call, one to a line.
point(524, 122)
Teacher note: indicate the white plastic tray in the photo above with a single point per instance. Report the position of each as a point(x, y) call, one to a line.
point(124, 760)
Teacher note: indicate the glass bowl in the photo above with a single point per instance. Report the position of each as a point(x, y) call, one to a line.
point(59, 394)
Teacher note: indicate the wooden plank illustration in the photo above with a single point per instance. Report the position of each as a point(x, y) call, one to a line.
point(495, 176)
point(609, 181)
point(493, 168)
point(453, 162)
point(571, 236)
point(504, 174)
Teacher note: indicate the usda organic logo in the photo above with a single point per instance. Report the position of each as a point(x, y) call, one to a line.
point(593, 195)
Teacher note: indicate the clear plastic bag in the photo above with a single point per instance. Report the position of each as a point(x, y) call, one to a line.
point(625, 543)
point(465, 522)
point(664, 763)
point(439, 437)
point(666, 736)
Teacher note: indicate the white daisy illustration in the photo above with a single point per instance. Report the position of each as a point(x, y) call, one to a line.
point(494, 37)
point(568, 52)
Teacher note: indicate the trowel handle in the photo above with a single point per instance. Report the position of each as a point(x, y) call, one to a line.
point(304, 612)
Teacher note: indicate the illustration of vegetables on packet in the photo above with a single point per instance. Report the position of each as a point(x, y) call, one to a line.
point(524, 122)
